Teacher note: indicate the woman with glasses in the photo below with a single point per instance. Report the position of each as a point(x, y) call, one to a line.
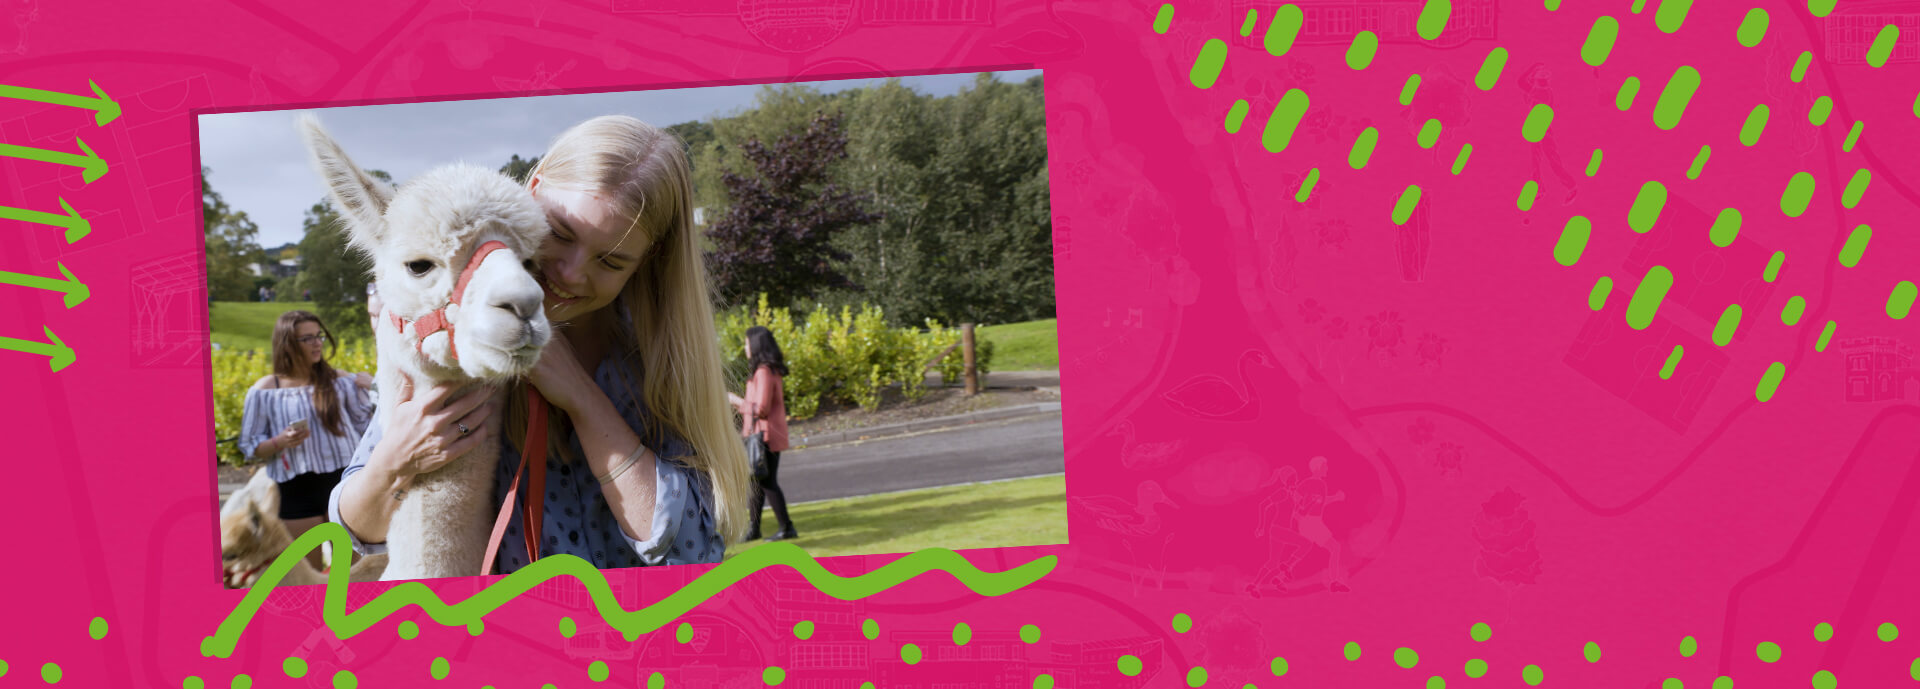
point(305, 419)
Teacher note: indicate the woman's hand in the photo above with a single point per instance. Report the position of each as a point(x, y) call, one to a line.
point(426, 433)
point(289, 437)
point(560, 377)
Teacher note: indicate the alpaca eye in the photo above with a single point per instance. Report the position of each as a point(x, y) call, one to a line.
point(528, 264)
point(420, 267)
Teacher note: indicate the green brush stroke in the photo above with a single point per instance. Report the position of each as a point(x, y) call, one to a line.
point(1728, 325)
point(1306, 186)
point(1538, 120)
point(1360, 53)
point(1800, 65)
point(1408, 89)
point(1573, 240)
point(72, 290)
point(1403, 209)
point(1774, 264)
point(1753, 27)
point(1770, 382)
point(1629, 89)
point(77, 227)
point(1237, 116)
point(1163, 20)
point(1726, 227)
point(1856, 188)
point(1666, 373)
point(1600, 39)
point(1647, 297)
point(1490, 69)
point(1283, 29)
point(1820, 8)
point(1755, 125)
point(1826, 335)
point(1528, 192)
point(1597, 297)
point(1593, 163)
point(1856, 247)
point(1900, 301)
point(1253, 17)
point(1284, 120)
point(91, 166)
point(1460, 161)
point(1795, 308)
point(1699, 162)
point(1883, 46)
point(1672, 14)
point(1206, 67)
point(1429, 133)
point(1853, 136)
point(58, 354)
point(1647, 206)
point(1822, 108)
point(1362, 150)
point(1799, 193)
point(1433, 18)
point(104, 108)
point(632, 622)
point(1675, 97)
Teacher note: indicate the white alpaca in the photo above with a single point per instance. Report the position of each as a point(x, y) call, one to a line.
point(422, 239)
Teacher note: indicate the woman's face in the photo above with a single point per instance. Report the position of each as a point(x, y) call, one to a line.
point(747, 346)
point(310, 341)
point(591, 254)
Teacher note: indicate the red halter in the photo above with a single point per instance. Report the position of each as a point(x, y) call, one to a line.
point(437, 320)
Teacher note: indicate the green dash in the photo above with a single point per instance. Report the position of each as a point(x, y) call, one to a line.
point(1774, 264)
point(1755, 125)
point(1403, 209)
point(1284, 120)
point(1490, 68)
point(1552, 5)
point(1206, 67)
point(1163, 20)
point(1236, 116)
point(1538, 120)
point(1647, 206)
point(1729, 324)
point(1770, 382)
point(1856, 188)
point(1799, 193)
point(1429, 133)
point(1528, 191)
point(1883, 45)
point(1253, 17)
point(1433, 18)
point(1597, 297)
point(1639, 6)
point(1800, 65)
point(1573, 240)
point(1822, 107)
point(1856, 246)
point(1360, 53)
point(1900, 302)
point(1853, 136)
point(1916, 105)
point(1795, 308)
point(1673, 362)
point(1283, 29)
point(1647, 297)
point(1675, 97)
point(1600, 38)
point(1362, 150)
point(1753, 28)
point(1460, 161)
point(1407, 90)
point(1726, 227)
point(1672, 14)
point(1826, 335)
point(1593, 163)
point(1699, 162)
point(1306, 186)
point(1820, 8)
point(1628, 90)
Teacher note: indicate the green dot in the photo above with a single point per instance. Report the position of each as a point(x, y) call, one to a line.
point(192, 682)
point(597, 671)
point(870, 629)
point(685, 633)
point(1476, 668)
point(962, 634)
point(1767, 651)
point(1182, 623)
point(1888, 632)
point(1671, 683)
point(1405, 657)
point(242, 682)
point(1723, 682)
point(1481, 632)
point(50, 672)
point(1436, 682)
point(206, 647)
point(910, 654)
point(1043, 681)
point(3, 668)
point(1688, 646)
point(1352, 650)
point(476, 627)
point(1824, 680)
point(1592, 652)
point(97, 628)
point(1030, 634)
point(1822, 632)
point(1533, 675)
point(803, 630)
point(1197, 677)
point(408, 629)
point(1128, 665)
point(1279, 667)
point(344, 679)
point(1914, 670)
point(294, 667)
point(567, 627)
point(656, 681)
point(439, 668)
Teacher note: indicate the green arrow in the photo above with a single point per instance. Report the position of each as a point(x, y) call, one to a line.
point(58, 353)
point(92, 167)
point(77, 227)
point(75, 291)
point(105, 110)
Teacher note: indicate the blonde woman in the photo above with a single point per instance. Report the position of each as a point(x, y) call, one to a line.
point(644, 467)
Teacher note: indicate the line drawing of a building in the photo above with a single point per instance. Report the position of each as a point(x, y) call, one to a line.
point(1851, 29)
point(1394, 21)
point(162, 337)
point(1877, 368)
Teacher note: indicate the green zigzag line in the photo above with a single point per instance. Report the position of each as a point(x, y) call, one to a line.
point(632, 623)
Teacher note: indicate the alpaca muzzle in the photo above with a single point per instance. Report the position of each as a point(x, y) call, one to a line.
point(437, 320)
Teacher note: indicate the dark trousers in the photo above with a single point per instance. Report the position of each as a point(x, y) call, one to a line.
point(769, 491)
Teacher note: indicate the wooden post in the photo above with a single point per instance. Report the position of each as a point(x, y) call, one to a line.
point(966, 345)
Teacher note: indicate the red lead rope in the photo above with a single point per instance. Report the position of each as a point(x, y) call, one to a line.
point(534, 508)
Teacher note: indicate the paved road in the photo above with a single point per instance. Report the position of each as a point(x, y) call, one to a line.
point(1029, 446)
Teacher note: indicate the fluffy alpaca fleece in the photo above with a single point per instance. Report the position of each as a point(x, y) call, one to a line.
point(252, 537)
point(420, 238)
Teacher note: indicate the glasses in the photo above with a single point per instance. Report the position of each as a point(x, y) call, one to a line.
point(313, 339)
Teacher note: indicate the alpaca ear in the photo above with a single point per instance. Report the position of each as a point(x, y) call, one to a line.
point(265, 493)
point(360, 197)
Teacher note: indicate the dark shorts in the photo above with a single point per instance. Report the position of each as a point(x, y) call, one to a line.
point(306, 495)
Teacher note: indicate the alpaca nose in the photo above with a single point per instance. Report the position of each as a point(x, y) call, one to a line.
point(522, 311)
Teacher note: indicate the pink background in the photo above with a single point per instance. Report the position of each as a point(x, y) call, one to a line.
point(1436, 365)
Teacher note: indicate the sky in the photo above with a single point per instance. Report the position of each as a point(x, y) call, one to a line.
point(258, 164)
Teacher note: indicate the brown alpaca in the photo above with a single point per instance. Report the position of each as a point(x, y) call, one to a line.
point(252, 537)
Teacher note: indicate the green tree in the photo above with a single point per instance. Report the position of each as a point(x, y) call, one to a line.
point(519, 168)
point(233, 246)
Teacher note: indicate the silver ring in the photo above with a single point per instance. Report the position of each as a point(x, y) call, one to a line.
point(462, 427)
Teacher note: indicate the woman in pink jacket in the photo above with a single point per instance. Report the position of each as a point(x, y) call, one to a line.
point(764, 409)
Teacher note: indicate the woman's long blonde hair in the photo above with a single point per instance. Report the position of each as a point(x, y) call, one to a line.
point(643, 172)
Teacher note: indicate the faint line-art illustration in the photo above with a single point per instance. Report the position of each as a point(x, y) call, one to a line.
point(796, 26)
point(15, 17)
point(1293, 520)
point(1139, 522)
point(163, 334)
point(1139, 456)
point(1851, 29)
point(1878, 369)
point(1508, 553)
point(1212, 396)
point(1536, 84)
point(1393, 21)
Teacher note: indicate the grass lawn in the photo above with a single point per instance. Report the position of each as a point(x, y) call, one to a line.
point(249, 324)
point(1029, 511)
point(1024, 346)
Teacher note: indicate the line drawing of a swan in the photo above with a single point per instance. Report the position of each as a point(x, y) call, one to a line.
point(1211, 396)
